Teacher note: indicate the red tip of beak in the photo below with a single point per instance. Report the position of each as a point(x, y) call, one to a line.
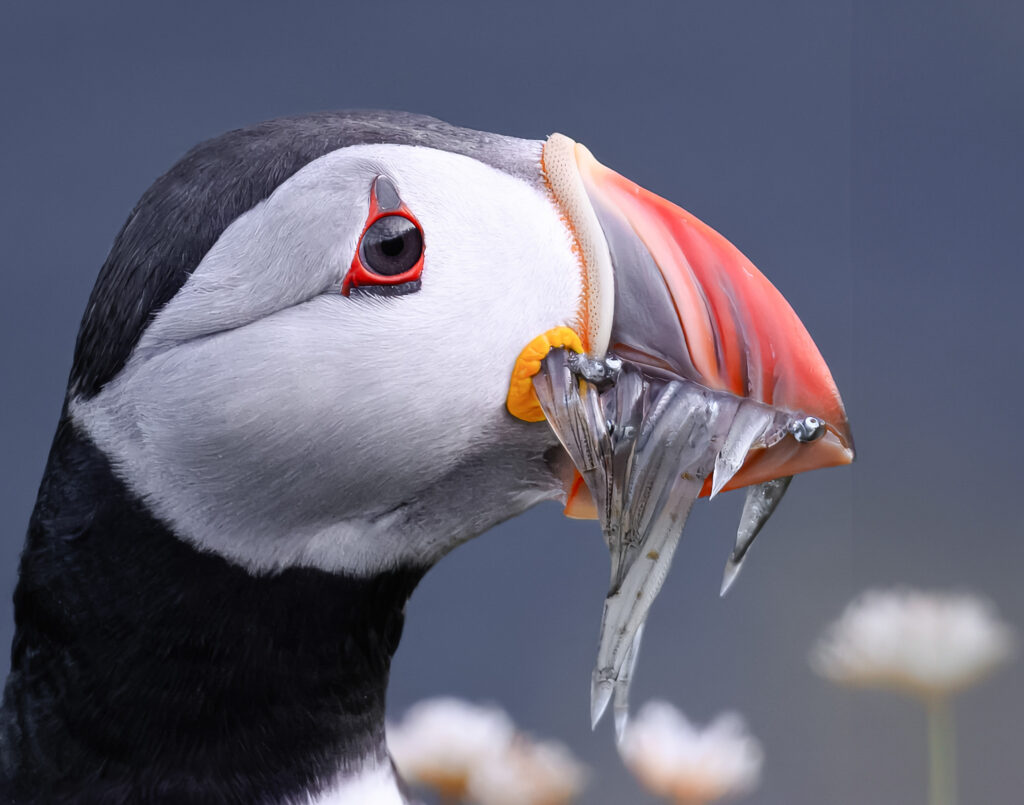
point(741, 335)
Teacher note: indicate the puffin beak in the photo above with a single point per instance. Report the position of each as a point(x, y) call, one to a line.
point(674, 299)
point(689, 302)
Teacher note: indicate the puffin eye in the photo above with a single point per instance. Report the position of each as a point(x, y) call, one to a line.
point(391, 246)
point(389, 257)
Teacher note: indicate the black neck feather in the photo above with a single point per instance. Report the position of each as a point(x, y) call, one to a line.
point(144, 670)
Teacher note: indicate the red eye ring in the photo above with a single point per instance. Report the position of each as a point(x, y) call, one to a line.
point(384, 204)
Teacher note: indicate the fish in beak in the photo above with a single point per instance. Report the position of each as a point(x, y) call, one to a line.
point(692, 375)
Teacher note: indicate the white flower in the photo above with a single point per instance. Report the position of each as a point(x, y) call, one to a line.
point(528, 773)
point(685, 764)
point(928, 644)
point(441, 741)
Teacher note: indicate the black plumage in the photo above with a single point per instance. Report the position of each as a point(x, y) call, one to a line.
point(143, 670)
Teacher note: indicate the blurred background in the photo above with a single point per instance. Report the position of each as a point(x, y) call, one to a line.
point(867, 157)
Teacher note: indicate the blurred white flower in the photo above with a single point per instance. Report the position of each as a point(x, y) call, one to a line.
point(928, 644)
point(528, 773)
point(686, 764)
point(441, 741)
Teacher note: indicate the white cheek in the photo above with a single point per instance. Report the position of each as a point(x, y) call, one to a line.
point(285, 409)
point(306, 425)
point(285, 250)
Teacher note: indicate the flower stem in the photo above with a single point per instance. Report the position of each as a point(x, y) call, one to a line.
point(941, 752)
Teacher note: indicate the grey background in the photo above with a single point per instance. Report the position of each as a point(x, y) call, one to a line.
point(865, 155)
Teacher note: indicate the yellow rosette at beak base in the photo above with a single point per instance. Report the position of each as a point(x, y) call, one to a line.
point(522, 400)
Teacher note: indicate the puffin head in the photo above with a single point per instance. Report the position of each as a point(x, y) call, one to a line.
point(320, 355)
point(299, 351)
point(315, 344)
point(326, 386)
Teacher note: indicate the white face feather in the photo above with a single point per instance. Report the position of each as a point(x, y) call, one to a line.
point(374, 784)
point(267, 417)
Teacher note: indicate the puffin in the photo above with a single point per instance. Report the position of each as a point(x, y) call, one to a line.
point(301, 379)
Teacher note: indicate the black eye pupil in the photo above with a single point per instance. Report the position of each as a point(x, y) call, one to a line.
point(392, 245)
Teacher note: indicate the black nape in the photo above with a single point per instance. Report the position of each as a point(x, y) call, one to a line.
point(144, 670)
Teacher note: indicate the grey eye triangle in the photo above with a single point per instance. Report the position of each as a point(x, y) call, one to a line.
point(386, 193)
